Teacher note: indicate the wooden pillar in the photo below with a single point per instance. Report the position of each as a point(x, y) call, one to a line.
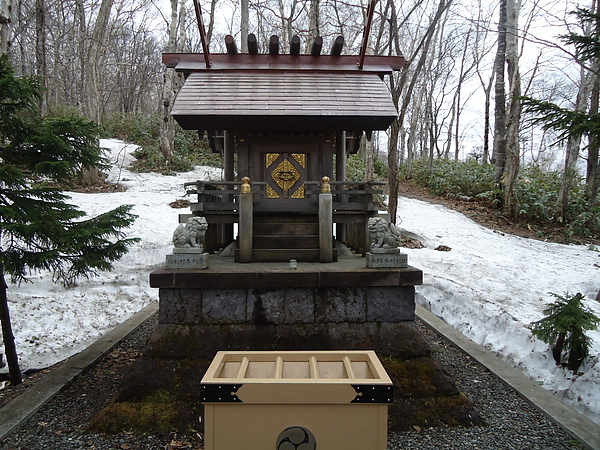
point(341, 229)
point(229, 175)
point(228, 153)
point(245, 224)
point(325, 223)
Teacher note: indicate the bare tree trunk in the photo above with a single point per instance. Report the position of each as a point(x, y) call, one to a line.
point(449, 136)
point(593, 162)
point(370, 160)
point(423, 49)
point(171, 82)
point(393, 182)
point(513, 155)
point(574, 143)
point(415, 122)
point(94, 60)
point(486, 130)
point(5, 31)
point(211, 21)
point(244, 26)
point(40, 51)
point(81, 47)
point(592, 177)
point(464, 72)
point(167, 126)
point(9, 339)
point(499, 146)
point(313, 24)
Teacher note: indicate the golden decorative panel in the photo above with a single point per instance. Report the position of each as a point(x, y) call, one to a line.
point(299, 192)
point(285, 175)
point(301, 158)
point(271, 157)
point(271, 192)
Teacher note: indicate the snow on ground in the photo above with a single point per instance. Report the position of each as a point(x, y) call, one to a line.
point(51, 322)
point(489, 286)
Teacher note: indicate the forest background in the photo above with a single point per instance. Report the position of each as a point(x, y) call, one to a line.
point(461, 130)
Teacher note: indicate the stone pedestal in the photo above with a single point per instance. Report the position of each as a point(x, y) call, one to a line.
point(386, 260)
point(270, 307)
point(186, 259)
point(267, 306)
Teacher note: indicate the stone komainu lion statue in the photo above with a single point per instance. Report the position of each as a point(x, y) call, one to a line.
point(383, 234)
point(190, 235)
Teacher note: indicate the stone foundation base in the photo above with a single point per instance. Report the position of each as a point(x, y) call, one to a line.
point(196, 323)
point(402, 340)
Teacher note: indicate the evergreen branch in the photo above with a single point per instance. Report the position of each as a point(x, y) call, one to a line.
point(565, 122)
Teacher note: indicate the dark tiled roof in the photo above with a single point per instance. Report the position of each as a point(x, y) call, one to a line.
point(284, 101)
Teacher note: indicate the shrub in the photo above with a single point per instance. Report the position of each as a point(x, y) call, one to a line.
point(564, 328)
point(139, 129)
point(144, 130)
point(356, 168)
point(468, 178)
point(536, 193)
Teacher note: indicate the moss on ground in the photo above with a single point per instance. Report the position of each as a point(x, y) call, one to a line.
point(156, 396)
point(159, 396)
point(158, 412)
point(425, 396)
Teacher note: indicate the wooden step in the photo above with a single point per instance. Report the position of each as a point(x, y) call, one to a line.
point(283, 241)
point(286, 218)
point(295, 229)
point(283, 255)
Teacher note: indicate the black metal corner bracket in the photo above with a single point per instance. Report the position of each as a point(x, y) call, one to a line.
point(220, 393)
point(373, 393)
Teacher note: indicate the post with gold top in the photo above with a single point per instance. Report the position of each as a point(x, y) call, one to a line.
point(325, 222)
point(245, 222)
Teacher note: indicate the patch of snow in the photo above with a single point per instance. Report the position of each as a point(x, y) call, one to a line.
point(491, 285)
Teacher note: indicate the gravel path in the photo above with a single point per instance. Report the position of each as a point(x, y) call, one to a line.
point(513, 424)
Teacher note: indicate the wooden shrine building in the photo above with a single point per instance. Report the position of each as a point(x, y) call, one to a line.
point(284, 124)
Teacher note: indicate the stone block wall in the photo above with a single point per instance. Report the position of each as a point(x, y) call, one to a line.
point(197, 322)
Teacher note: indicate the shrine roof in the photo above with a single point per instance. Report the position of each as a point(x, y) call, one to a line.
point(283, 99)
point(193, 62)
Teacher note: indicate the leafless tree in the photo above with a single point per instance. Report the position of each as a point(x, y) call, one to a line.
point(5, 29)
point(172, 81)
point(404, 88)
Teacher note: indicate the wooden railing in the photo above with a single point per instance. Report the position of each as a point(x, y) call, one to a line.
point(223, 196)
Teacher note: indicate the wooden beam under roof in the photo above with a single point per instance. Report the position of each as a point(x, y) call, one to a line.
point(194, 62)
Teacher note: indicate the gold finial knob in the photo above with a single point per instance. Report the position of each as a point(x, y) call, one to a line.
point(325, 186)
point(246, 188)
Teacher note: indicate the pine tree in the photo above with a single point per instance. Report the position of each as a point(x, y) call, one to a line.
point(39, 230)
point(583, 122)
point(564, 328)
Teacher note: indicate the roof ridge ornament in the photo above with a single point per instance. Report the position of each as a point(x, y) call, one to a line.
point(202, 33)
point(365, 41)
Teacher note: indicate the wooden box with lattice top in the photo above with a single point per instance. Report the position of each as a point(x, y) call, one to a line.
point(297, 400)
